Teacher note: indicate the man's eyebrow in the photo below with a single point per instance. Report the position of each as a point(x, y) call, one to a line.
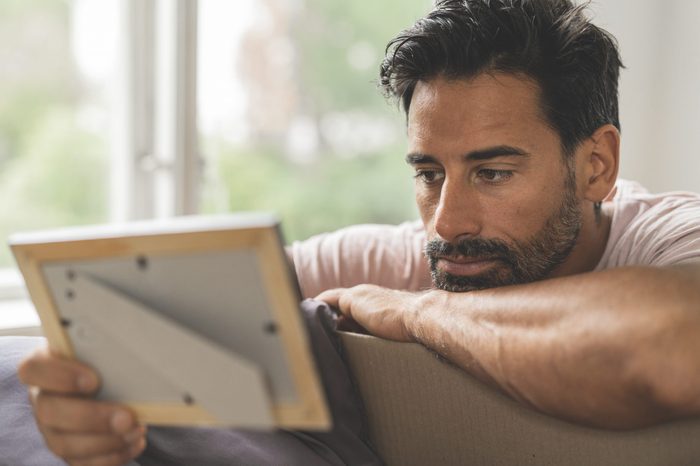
point(498, 151)
point(416, 158)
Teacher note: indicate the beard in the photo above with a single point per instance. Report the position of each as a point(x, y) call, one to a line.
point(522, 262)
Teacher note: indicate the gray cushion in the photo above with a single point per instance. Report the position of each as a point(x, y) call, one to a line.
point(20, 440)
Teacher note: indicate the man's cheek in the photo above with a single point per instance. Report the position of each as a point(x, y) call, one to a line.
point(427, 204)
point(513, 220)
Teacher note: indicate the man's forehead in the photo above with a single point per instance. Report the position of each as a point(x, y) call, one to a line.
point(485, 94)
point(459, 116)
point(490, 103)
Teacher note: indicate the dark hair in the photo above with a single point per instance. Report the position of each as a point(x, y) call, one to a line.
point(575, 63)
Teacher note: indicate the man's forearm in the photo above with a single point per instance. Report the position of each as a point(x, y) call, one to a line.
point(615, 349)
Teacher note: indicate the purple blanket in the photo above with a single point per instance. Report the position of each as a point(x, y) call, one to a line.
point(348, 443)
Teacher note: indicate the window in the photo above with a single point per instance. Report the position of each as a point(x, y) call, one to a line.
point(56, 58)
point(56, 62)
point(99, 115)
point(115, 110)
point(290, 118)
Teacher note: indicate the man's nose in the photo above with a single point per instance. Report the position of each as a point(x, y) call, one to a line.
point(457, 213)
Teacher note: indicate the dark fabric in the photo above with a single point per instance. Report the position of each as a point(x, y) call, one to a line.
point(347, 443)
point(20, 441)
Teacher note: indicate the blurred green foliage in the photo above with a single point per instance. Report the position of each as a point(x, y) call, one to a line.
point(328, 34)
point(58, 180)
point(322, 196)
point(340, 187)
point(52, 171)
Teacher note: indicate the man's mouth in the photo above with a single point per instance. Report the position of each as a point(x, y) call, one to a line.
point(464, 265)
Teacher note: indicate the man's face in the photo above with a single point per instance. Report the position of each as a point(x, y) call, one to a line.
point(498, 201)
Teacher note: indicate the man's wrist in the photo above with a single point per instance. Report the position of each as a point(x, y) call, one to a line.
point(418, 323)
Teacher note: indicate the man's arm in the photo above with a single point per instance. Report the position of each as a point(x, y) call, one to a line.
point(614, 349)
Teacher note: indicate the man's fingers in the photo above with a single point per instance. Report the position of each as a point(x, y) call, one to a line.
point(344, 298)
point(57, 374)
point(84, 446)
point(331, 297)
point(81, 415)
point(112, 459)
point(81, 430)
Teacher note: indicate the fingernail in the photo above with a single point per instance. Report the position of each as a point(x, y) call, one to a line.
point(121, 421)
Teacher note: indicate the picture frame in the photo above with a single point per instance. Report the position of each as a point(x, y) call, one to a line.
point(188, 321)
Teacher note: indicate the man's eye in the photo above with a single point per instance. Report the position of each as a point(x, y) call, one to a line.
point(494, 176)
point(428, 176)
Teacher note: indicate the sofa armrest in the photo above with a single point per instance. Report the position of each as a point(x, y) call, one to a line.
point(423, 410)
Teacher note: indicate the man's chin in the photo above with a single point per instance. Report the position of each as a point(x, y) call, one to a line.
point(460, 283)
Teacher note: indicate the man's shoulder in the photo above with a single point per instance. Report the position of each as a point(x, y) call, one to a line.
point(652, 228)
point(386, 255)
point(642, 211)
point(352, 239)
point(631, 193)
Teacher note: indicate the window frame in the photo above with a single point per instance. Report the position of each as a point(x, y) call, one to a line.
point(155, 162)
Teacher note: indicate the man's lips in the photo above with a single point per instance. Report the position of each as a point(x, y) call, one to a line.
point(463, 265)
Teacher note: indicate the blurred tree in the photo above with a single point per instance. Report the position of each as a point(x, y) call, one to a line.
point(52, 169)
point(341, 45)
point(324, 196)
point(59, 180)
point(325, 82)
point(34, 71)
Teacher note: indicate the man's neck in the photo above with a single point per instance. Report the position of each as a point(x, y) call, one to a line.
point(591, 243)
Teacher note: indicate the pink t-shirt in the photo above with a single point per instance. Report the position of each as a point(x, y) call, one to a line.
point(647, 229)
point(389, 256)
point(652, 229)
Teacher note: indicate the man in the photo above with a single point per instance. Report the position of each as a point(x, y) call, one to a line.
point(572, 293)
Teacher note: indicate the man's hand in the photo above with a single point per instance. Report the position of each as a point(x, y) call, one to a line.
point(383, 312)
point(77, 428)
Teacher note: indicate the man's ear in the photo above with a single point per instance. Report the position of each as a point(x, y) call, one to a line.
point(601, 162)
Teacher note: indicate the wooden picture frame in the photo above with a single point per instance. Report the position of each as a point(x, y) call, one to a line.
point(129, 298)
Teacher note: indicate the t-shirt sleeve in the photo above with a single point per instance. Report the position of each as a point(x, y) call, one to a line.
point(664, 233)
point(384, 255)
point(683, 232)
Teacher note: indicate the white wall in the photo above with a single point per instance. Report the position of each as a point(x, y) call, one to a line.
point(659, 90)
